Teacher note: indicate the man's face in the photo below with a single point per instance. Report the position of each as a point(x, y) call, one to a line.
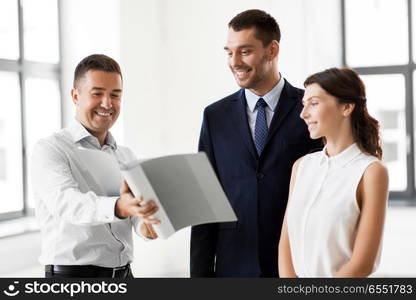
point(248, 59)
point(97, 99)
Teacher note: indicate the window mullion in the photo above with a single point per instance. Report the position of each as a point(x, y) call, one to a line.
point(22, 75)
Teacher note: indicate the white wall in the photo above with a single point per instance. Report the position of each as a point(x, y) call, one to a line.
point(87, 27)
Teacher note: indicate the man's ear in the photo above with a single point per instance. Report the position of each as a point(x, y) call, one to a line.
point(74, 95)
point(348, 109)
point(274, 49)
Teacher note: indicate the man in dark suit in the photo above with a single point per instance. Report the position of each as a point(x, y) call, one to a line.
point(252, 139)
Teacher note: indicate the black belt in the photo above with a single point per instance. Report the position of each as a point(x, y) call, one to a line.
point(89, 271)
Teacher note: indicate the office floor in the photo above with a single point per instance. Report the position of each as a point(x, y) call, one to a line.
point(170, 258)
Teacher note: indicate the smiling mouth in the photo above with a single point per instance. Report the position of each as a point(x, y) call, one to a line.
point(240, 74)
point(103, 114)
point(311, 124)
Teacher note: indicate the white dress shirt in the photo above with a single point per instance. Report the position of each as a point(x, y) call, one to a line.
point(271, 98)
point(323, 212)
point(78, 225)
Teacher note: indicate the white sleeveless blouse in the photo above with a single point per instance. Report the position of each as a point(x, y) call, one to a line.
point(323, 213)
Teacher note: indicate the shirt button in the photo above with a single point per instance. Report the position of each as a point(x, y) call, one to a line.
point(260, 176)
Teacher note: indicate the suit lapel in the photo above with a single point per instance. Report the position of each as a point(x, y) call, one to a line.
point(287, 102)
point(239, 115)
point(238, 111)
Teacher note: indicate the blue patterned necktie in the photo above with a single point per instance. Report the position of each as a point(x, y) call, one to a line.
point(260, 129)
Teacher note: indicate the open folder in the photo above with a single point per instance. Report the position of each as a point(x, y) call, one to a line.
point(184, 187)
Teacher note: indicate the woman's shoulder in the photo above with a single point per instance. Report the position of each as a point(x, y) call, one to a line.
point(376, 168)
point(375, 175)
point(375, 183)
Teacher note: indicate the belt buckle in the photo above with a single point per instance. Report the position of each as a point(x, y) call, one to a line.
point(117, 269)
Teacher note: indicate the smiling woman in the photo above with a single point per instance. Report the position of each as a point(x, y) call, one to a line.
point(335, 215)
point(323, 107)
point(340, 93)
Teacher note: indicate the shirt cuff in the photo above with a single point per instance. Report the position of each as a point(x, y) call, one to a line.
point(105, 209)
point(137, 223)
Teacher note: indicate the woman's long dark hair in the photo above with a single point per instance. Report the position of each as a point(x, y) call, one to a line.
point(347, 87)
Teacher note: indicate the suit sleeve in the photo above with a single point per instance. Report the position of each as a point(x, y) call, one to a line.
point(204, 237)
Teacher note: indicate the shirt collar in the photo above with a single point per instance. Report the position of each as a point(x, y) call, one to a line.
point(79, 133)
point(342, 158)
point(271, 98)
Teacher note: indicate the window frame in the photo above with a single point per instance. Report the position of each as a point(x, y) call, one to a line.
point(407, 197)
point(24, 69)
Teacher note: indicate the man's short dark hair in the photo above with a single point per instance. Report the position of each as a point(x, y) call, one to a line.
point(266, 26)
point(99, 62)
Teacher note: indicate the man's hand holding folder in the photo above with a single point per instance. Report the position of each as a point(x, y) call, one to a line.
point(128, 205)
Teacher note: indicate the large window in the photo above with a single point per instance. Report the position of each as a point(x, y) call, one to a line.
point(30, 102)
point(378, 43)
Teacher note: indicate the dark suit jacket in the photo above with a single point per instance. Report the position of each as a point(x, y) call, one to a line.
point(257, 187)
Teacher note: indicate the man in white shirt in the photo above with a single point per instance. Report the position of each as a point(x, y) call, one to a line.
point(85, 233)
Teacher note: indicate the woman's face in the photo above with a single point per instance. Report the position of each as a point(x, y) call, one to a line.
point(321, 112)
